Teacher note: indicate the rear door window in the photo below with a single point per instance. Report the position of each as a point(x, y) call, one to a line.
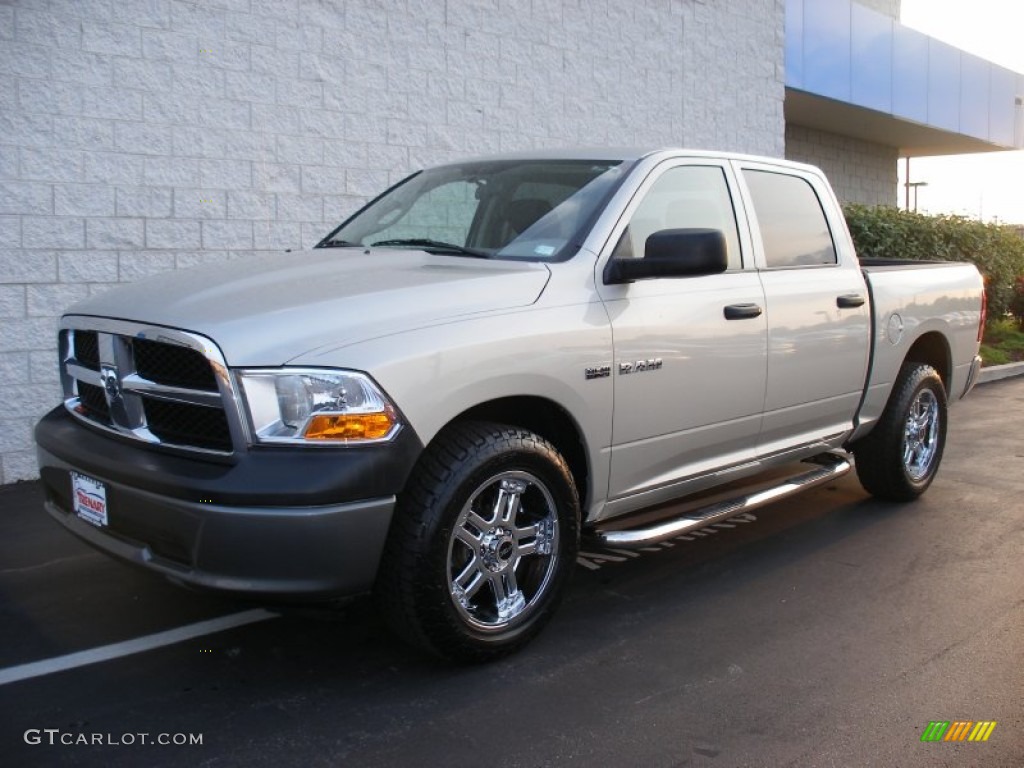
point(794, 230)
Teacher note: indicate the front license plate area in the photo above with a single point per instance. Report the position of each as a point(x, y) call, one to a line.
point(89, 499)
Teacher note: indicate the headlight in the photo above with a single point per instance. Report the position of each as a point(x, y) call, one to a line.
point(311, 405)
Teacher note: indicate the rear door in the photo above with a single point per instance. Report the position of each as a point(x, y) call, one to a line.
point(816, 306)
point(689, 375)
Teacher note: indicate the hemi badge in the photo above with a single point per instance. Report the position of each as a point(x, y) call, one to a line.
point(598, 372)
point(640, 365)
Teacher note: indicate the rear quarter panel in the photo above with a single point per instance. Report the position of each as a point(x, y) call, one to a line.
point(910, 301)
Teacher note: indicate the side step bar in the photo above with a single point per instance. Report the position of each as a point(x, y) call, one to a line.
point(830, 466)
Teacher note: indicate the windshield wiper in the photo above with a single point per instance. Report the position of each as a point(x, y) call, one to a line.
point(339, 244)
point(435, 245)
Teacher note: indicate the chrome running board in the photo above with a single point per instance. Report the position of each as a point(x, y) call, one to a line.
point(830, 466)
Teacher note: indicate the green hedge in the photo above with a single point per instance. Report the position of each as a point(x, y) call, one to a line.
point(997, 250)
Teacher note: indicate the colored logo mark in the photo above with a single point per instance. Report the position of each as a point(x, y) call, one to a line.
point(958, 730)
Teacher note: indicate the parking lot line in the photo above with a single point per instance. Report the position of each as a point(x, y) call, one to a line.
point(129, 647)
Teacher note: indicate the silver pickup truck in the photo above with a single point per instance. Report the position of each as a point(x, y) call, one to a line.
point(488, 362)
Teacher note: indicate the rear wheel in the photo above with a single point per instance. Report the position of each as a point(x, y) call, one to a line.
point(899, 457)
point(483, 542)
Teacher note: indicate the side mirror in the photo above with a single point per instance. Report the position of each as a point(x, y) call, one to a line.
point(673, 253)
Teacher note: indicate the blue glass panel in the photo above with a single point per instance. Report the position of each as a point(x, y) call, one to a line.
point(827, 48)
point(872, 37)
point(1018, 123)
point(943, 85)
point(1001, 105)
point(795, 43)
point(910, 74)
point(974, 96)
point(845, 51)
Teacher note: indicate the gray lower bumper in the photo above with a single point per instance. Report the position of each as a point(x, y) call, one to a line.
point(310, 552)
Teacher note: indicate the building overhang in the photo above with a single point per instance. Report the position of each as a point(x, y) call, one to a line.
point(856, 72)
point(911, 138)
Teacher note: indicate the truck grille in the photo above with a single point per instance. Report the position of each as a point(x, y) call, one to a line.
point(87, 349)
point(174, 366)
point(156, 385)
point(184, 424)
point(94, 402)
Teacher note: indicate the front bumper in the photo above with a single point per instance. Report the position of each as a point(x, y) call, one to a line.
point(279, 523)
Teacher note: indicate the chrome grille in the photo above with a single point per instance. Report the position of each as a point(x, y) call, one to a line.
point(183, 423)
point(156, 385)
point(174, 366)
point(94, 402)
point(87, 350)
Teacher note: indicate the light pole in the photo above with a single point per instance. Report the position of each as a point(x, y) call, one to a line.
point(908, 184)
point(915, 185)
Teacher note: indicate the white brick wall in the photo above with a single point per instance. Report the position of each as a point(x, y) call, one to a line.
point(139, 136)
point(890, 8)
point(860, 171)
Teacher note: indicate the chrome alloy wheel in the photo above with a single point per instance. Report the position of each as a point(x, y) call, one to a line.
point(502, 551)
point(921, 435)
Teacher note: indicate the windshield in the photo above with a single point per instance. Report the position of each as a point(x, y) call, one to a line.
point(516, 209)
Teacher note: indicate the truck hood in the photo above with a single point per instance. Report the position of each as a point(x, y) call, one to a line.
point(268, 310)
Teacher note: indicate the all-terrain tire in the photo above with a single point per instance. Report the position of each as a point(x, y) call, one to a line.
point(898, 459)
point(483, 540)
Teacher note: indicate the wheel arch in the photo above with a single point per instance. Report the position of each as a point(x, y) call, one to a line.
point(547, 419)
point(932, 348)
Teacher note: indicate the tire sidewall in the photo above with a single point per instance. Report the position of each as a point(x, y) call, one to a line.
point(539, 459)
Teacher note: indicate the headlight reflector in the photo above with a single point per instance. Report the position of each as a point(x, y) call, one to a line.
point(316, 405)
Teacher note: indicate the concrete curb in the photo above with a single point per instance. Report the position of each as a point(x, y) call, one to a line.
point(997, 372)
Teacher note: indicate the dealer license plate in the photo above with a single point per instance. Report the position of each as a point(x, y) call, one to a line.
point(89, 499)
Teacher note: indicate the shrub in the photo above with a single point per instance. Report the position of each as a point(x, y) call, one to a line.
point(997, 250)
point(1017, 306)
point(993, 355)
point(1004, 342)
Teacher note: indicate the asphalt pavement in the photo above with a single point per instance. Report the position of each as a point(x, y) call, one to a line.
point(827, 630)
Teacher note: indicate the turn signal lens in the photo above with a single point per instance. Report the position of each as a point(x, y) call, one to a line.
point(349, 426)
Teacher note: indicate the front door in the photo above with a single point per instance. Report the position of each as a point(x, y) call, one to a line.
point(689, 353)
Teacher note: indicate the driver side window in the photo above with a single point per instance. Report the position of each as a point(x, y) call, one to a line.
point(686, 197)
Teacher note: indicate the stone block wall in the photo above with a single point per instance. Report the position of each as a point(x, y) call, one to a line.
point(140, 136)
point(860, 171)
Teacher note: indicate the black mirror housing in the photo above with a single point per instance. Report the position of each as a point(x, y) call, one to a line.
point(673, 253)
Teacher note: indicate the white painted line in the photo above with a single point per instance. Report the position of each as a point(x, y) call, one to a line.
point(602, 557)
point(626, 552)
point(129, 647)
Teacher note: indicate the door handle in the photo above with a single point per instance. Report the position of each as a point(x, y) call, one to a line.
point(850, 301)
point(742, 311)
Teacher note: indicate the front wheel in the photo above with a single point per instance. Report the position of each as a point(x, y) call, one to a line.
point(898, 459)
point(483, 541)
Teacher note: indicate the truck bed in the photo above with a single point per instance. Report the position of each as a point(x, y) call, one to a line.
point(919, 303)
